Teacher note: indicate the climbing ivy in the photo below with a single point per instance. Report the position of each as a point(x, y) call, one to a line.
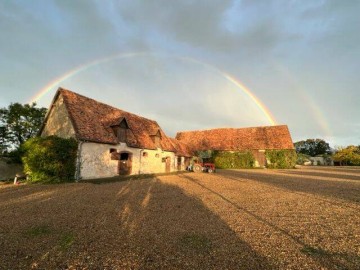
point(233, 160)
point(281, 159)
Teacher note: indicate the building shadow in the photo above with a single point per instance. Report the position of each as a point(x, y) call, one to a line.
point(337, 169)
point(336, 176)
point(135, 224)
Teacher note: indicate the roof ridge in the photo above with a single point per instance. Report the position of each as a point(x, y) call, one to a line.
point(228, 128)
point(61, 89)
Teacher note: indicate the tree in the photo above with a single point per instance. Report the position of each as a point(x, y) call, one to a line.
point(18, 123)
point(312, 147)
point(348, 156)
point(3, 142)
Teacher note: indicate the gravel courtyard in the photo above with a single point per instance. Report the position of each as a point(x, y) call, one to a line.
point(307, 218)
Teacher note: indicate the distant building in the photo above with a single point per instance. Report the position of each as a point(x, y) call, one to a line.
point(321, 161)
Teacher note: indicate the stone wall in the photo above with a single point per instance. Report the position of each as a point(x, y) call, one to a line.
point(8, 171)
point(58, 122)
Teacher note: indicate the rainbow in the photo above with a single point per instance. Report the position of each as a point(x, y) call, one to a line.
point(316, 112)
point(239, 85)
point(55, 83)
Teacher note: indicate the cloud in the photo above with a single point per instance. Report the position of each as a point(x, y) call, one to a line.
point(280, 49)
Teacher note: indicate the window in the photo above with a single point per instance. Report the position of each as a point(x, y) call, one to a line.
point(120, 130)
point(145, 154)
point(114, 155)
point(124, 156)
point(157, 155)
point(156, 139)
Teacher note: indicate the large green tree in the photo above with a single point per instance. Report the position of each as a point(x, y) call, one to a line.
point(18, 123)
point(349, 155)
point(312, 147)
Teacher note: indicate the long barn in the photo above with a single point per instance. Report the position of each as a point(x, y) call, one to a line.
point(257, 140)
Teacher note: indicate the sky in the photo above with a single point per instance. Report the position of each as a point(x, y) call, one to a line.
point(192, 65)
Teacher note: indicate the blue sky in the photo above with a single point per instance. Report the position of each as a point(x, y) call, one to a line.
point(299, 58)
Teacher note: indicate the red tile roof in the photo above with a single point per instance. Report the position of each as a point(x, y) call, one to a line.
point(232, 139)
point(92, 121)
point(182, 149)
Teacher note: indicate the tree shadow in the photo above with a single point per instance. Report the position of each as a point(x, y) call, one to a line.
point(142, 224)
point(346, 169)
point(329, 260)
point(328, 174)
point(297, 182)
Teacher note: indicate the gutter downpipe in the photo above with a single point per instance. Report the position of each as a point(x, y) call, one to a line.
point(78, 162)
point(141, 151)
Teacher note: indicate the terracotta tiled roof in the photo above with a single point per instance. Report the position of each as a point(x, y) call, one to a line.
point(232, 139)
point(182, 149)
point(92, 121)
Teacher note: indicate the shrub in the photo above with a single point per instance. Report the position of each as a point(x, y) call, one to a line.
point(302, 158)
point(50, 159)
point(233, 160)
point(281, 159)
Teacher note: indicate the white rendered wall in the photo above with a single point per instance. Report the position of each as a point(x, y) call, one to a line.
point(96, 162)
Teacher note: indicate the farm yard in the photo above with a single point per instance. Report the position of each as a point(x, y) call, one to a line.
point(306, 218)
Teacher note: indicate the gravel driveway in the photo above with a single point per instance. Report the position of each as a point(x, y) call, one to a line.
point(307, 218)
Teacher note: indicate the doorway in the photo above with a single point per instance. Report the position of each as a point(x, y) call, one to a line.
point(167, 164)
point(125, 163)
point(179, 163)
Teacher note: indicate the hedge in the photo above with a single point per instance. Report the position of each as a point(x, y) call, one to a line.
point(50, 159)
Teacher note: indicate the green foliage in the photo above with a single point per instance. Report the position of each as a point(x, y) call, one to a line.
point(233, 160)
point(281, 159)
point(206, 154)
point(18, 123)
point(195, 242)
point(15, 156)
point(348, 156)
point(3, 142)
point(302, 158)
point(66, 240)
point(313, 251)
point(38, 231)
point(312, 147)
point(50, 159)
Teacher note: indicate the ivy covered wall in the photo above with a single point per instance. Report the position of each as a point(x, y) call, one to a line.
point(233, 160)
point(281, 159)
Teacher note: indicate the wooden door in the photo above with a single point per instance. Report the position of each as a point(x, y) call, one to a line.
point(167, 164)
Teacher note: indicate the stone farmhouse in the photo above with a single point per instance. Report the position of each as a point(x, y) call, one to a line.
point(115, 142)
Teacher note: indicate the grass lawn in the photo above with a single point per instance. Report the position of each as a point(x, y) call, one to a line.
point(307, 218)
